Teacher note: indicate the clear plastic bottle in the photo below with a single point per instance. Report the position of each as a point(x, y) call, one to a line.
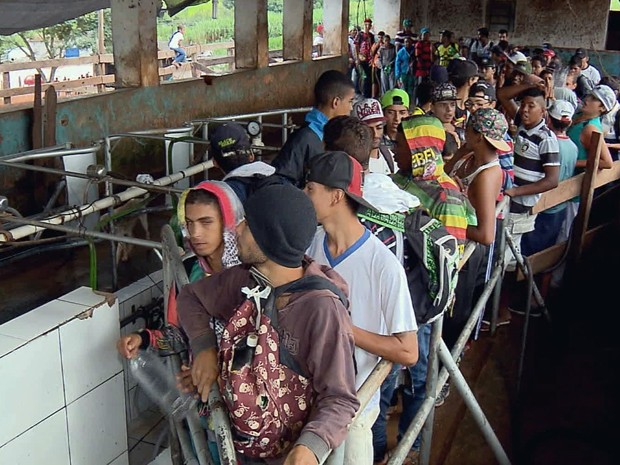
point(158, 381)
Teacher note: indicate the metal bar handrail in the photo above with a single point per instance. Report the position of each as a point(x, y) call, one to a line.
point(54, 148)
point(220, 119)
point(120, 182)
point(52, 154)
point(101, 204)
point(82, 232)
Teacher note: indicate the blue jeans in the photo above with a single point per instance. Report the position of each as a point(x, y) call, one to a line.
point(379, 428)
point(180, 55)
point(545, 233)
point(414, 394)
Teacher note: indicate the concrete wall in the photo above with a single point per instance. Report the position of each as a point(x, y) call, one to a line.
point(88, 119)
point(536, 21)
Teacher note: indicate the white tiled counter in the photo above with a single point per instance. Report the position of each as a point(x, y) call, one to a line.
point(62, 391)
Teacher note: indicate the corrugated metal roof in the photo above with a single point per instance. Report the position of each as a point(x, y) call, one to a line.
point(25, 15)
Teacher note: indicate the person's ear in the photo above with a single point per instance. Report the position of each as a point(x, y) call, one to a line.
point(337, 196)
point(335, 102)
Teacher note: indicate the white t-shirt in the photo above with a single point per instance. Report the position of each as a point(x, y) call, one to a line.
point(379, 165)
point(378, 293)
point(592, 74)
point(175, 39)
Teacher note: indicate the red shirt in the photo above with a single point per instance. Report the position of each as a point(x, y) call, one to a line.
point(424, 58)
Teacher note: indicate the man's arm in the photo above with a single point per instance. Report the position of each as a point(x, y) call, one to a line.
point(294, 156)
point(196, 307)
point(507, 94)
point(550, 181)
point(605, 161)
point(400, 345)
point(398, 348)
point(328, 347)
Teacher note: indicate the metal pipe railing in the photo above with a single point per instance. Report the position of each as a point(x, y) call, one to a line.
point(46, 150)
point(111, 201)
point(85, 232)
point(120, 182)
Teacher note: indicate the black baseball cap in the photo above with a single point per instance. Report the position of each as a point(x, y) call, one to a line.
point(462, 68)
point(340, 171)
point(580, 53)
point(486, 63)
point(229, 138)
point(484, 88)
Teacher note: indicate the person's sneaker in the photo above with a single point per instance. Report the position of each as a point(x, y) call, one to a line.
point(443, 394)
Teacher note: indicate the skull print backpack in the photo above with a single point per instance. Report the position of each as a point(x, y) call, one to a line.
point(267, 397)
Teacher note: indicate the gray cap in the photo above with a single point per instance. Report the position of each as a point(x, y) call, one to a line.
point(605, 95)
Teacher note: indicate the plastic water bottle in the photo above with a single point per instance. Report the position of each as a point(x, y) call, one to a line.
point(159, 383)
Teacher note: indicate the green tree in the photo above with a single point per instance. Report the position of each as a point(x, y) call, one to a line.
point(79, 32)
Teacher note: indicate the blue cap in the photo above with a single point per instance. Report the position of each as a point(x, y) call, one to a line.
point(424, 30)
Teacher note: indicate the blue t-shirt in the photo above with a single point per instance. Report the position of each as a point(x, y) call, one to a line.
point(568, 159)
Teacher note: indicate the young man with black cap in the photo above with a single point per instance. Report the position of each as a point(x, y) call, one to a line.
point(381, 308)
point(311, 322)
point(232, 153)
point(443, 107)
point(333, 96)
point(487, 69)
point(462, 74)
point(587, 70)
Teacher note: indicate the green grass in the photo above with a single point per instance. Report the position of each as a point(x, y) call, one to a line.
point(202, 29)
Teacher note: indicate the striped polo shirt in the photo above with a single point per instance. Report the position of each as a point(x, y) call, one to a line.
point(534, 149)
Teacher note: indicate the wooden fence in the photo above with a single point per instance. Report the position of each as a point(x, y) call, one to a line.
point(101, 80)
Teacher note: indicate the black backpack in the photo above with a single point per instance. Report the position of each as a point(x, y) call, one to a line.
point(430, 256)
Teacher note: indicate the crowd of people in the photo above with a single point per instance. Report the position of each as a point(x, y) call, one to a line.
point(301, 284)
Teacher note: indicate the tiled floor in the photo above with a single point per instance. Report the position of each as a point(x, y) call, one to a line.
point(144, 435)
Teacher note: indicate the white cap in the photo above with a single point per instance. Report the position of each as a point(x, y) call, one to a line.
point(561, 110)
point(368, 111)
point(605, 95)
point(517, 57)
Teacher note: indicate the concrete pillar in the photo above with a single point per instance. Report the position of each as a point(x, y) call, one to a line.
point(297, 30)
point(134, 35)
point(389, 15)
point(251, 35)
point(336, 24)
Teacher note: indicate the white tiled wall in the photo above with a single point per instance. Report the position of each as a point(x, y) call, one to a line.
point(31, 387)
point(45, 443)
point(62, 395)
point(96, 424)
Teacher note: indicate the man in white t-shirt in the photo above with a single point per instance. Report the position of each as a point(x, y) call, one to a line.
point(587, 70)
point(370, 113)
point(380, 304)
point(175, 43)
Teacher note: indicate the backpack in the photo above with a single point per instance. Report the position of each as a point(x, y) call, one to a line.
point(430, 256)
point(267, 396)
